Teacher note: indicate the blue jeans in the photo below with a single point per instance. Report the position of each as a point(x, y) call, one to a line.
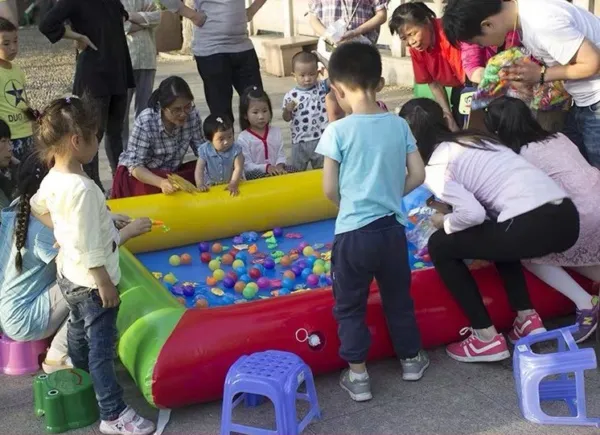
point(91, 337)
point(583, 128)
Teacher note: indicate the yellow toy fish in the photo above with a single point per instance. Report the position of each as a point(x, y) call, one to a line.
point(267, 234)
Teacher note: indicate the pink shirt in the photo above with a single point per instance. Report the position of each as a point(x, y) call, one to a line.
point(474, 56)
point(479, 183)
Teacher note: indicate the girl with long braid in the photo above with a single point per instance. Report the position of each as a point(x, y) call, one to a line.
point(31, 304)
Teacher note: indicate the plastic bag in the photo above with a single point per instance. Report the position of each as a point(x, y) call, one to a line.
point(546, 97)
point(420, 229)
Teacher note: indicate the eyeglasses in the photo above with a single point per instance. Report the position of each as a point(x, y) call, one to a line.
point(185, 110)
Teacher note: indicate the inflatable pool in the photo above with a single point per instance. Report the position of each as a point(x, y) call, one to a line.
point(179, 355)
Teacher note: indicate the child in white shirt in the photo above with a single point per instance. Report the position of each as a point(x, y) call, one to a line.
point(88, 260)
point(262, 144)
point(304, 108)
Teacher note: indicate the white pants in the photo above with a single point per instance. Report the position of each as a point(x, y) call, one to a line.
point(57, 324)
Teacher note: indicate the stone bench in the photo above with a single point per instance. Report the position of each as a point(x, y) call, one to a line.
point(279, 53)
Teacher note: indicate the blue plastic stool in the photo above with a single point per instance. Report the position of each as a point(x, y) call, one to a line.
point(277, 376)
point(531, 368)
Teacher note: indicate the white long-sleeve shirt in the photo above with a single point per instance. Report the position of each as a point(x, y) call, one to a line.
point(478, 183)
point(260, 152)
point(83, 227)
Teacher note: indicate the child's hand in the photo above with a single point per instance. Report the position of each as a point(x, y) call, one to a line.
point(167, 188)
point(120, 220)
point(272, 170)
point(202, 188)
point(291, 106)
point(138, 227)
point(233, 189)
point(437, 220)
point(109, 295)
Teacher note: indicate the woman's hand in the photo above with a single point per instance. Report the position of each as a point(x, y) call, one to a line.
point(272, 170)
point(82, 42)
point(437, 220)
point(167, 188)
point(452, 125)
point(233, 189)
point(281, 169)
point(120, 220)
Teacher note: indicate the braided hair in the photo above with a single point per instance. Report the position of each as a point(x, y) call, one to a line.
point(31, 173)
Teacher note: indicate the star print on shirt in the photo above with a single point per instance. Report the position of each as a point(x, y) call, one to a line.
point(14, 91)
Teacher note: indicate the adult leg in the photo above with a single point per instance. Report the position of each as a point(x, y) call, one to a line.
point(93, 168)
point(130, 93)
point(591, 133)
point(573, 129)
point(144, 86)
point(246, 71)
point(216, 73)
point(299, 157)
point(113, 142)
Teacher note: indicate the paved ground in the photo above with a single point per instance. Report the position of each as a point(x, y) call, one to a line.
point(452, 398)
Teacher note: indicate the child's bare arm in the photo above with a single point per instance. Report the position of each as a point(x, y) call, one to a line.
point(331, 174)
point(238, 169)
point(415, 172)
point(199, 174)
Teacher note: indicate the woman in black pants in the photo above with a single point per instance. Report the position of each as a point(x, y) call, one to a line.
point(502, 209)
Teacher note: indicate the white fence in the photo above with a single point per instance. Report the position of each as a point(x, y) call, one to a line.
point(289, 17)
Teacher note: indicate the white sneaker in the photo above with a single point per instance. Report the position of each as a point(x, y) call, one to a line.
point(51, 366)
point(128, 423)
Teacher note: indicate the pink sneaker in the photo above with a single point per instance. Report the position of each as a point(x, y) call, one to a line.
point(531, 325)
point(473, 349)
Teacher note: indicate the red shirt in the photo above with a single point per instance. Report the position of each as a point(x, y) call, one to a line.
point(442, 63)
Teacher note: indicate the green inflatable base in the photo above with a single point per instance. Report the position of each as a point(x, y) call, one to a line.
point(422, 91)
point(66, 399)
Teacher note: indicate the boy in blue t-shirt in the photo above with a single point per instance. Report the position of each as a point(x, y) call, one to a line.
point(371, 162)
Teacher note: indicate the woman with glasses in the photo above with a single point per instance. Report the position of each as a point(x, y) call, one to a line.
point(160, 139)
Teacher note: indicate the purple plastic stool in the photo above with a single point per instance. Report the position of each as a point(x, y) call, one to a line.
point(20, 357)
point(531, 368)
point(277, 376)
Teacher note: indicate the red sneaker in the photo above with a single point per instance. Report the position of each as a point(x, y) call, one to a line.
point(531, 325)
point(473, 349)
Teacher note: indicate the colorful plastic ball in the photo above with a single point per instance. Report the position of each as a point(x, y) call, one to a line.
point(302, 264)
point(211, 281)
point(201, 303)
point(228, 282)
point(240, 270)
point(205, 257)
point(239, 286)
point(169, 278)
point(203, 247)
point(312, 280)
point(260, 267)
point(318, 269)
point(227, 259)
point(188, 290)
point(219, 274)
point(427, 258)
point(237, 263)
point(177, 290)
point(277, 232)
point(285, 261)
point(233, 252)
point(289, 274)
point(269, 263)
point(263, 283)
point(245, 278)
point(327, 266)
point(287, 283)
point(242, 255)
point(302, 245)
point(249, 292)
point(284, 291)
point(174, 260)
point(186, 259)
point(306, 273)
point(328, 280)
point(297, 270)
point(234, 276)
point(254, 273)
point(319, 262)
point(307, 251)
point(310, 261)
point(214, 265)
point(217, 248)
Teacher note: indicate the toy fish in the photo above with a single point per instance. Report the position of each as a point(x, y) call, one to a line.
point(217, 291)
point(190, 283)
point(238, 240)
point(241, 247)
point(267, 235)
point(275, 293)
point(260, 256)
point(318, 246)
point(277, 254)
point(294, 251)
point(157, 275)
point(326, 256)
point(275, 283)
point(253, 249)
point(329, 246)
point(293, 236)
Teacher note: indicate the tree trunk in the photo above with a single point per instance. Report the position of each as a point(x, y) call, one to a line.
point(188, 29)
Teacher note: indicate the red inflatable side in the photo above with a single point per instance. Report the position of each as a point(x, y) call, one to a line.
point(192, 365)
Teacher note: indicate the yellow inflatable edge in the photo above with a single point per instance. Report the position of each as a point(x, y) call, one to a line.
point(262, 204)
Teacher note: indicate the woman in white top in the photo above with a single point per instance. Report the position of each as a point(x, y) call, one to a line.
point(557, 156)
point(503, 209)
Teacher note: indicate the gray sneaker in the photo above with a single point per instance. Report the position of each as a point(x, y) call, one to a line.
point(413, 368)
point(360, 391)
